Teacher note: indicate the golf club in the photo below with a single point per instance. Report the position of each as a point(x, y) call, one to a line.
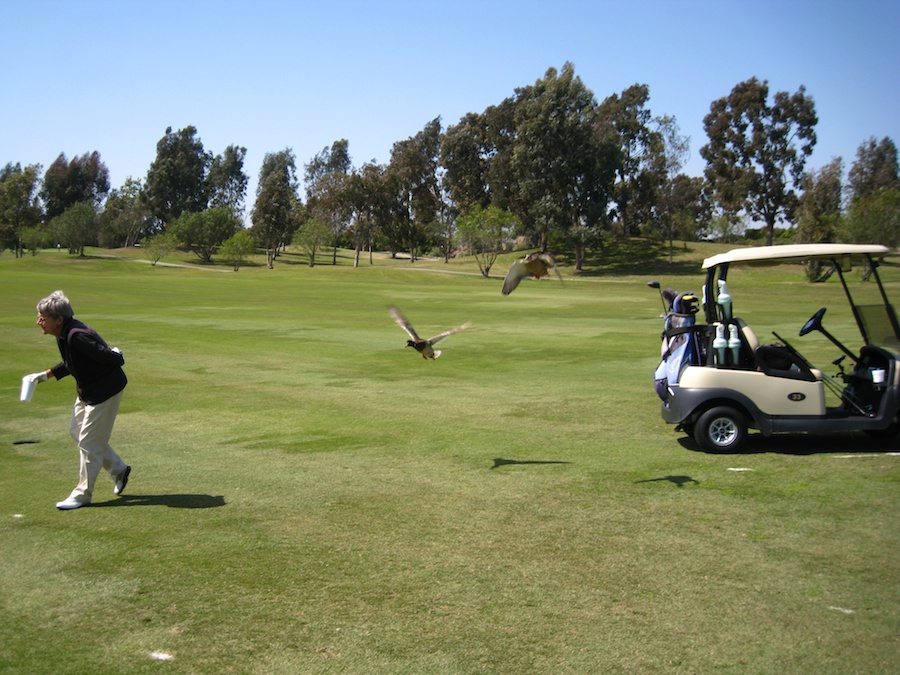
point(655, 284)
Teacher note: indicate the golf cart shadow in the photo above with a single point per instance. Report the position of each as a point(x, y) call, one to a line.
point(192, 501)
point(804, 444)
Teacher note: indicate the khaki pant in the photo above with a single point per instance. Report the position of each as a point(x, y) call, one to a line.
point(90, 427)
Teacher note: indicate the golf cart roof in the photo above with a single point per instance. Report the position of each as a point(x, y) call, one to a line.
point(793, 253)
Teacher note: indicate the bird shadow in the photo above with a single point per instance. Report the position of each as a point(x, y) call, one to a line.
point(679, 481)
point(505, 462)
point(187, 501)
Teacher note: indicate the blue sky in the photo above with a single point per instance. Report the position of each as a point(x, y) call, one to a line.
point(111, 75)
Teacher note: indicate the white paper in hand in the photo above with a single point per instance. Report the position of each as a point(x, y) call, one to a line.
point(28, 386)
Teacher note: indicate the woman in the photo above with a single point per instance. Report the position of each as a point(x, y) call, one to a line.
point(99, 383)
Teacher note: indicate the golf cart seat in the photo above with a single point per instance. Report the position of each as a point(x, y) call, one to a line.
point(778, 361)
point(748, 335)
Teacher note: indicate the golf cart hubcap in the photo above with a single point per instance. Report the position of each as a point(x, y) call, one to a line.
point(722, 431)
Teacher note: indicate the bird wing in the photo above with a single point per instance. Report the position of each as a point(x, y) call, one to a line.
point(447, 333)
point(551, 262)
point(404, 324)
point(516, 273)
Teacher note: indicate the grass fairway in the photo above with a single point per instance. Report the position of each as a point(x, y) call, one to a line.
point(308, 496)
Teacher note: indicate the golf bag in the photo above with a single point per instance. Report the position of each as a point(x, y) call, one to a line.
point(680, 341)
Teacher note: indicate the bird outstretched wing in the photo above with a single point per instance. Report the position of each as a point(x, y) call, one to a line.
point(440, 336)
point(404, 324)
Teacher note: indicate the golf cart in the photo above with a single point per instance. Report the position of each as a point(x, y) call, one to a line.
point(717, 380)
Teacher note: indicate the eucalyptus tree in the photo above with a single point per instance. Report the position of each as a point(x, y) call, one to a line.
point(627, 117)
point(466, 157)
point(275, 212)
point(19, 205)
point(226, 180)
point(818, 212)
point(677, 195)
point(757, 151)
point(874, 169)
point(177, 179)
point(83, 179)
point(819, 207)
point(874, 212)
point(412, 175)
point(562, 162)
point(327, 179)
point(370, 202)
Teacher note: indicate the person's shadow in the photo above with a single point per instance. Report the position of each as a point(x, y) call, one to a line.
point(192, 501)
point(504, 462)
point(679, 481)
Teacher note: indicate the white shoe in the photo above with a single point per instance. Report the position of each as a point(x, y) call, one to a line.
point(122, 481)
point(71, 503)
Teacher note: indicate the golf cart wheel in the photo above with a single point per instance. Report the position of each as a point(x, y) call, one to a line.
point(721, 429)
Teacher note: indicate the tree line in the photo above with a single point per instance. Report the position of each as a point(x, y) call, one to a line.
point(548, 167)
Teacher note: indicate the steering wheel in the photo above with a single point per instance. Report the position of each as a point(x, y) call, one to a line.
point(814, 323)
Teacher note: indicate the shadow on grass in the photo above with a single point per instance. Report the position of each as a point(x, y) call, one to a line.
point(172, 501)
point(806, 444)
point(679, 481)
point(504, 462)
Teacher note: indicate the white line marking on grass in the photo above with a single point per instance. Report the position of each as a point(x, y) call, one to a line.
point(741, 468)
point(843, 610)
point(161, 656)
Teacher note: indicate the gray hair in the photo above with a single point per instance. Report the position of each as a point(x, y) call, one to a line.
point(56, 305)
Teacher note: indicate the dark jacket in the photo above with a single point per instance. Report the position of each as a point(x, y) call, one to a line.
point(97, 369)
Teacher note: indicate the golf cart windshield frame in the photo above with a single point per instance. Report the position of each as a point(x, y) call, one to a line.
point(877, 323)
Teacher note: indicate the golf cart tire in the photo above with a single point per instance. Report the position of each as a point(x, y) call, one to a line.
point(721, 429)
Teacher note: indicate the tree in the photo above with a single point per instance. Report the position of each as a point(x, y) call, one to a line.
point(686, 212)
point(311, 237)
point(19, 207)
point(176, 181)
point(327, 179)
point(226, 180)
point(274, 214)
point(819, 208)
point(76, 227)
point(874, 220)
point(370, 201)
point(483, 233)
point(412, 173)
point(875, 168)
point(84, 179)
point(160, 245)
point(204, 232)
point(874, 212)
point(562, 161)
point(757, 151)
point(236, 248)
point(627, 117)
point(465, 156)
point(672, 213)
point(125, 217)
